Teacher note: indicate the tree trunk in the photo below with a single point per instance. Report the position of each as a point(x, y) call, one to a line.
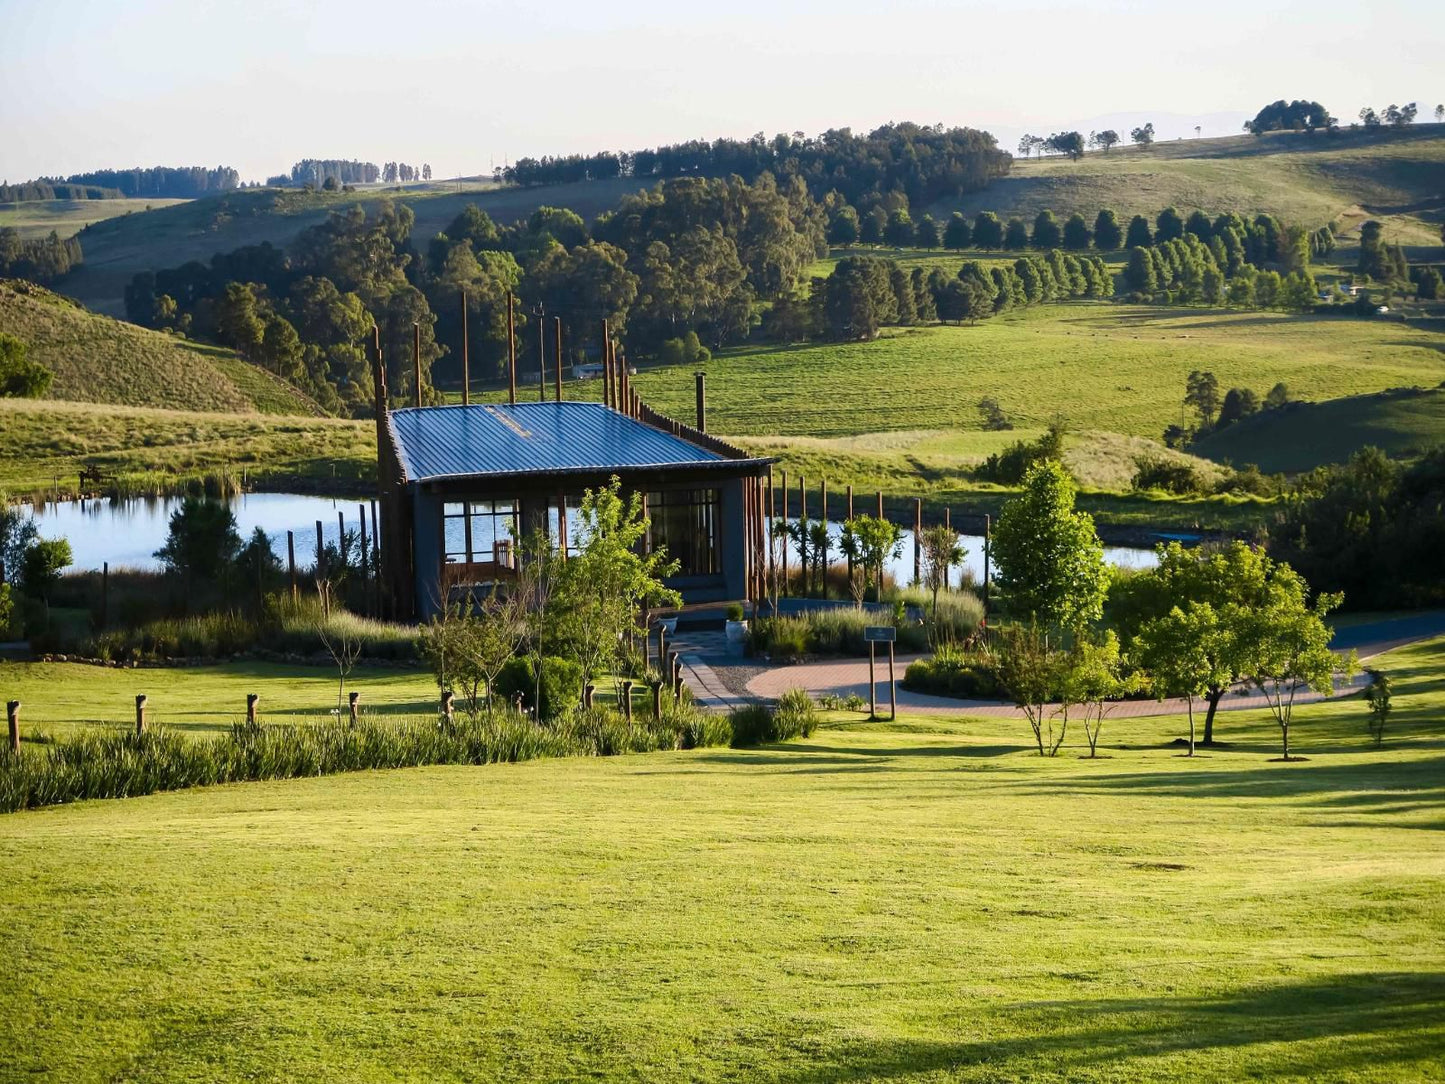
point(1215, 695)
point(1190, 702)
point(1284, 729)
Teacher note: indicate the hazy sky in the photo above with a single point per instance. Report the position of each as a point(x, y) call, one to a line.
point(257, 84)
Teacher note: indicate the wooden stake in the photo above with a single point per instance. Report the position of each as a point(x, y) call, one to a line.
point(12, 716)
point(251, 699)
point(361, 508)
point(511, 349)
point(353, 706)
point(987, 538)
point(872, 680)
point(823, 517)
point(917, 539)
point(447, 706)
point(320, 553)
point(291, 561)
point(627, 700)
point(892, 685)
point(416, 358)
point(784, 518)
point(104, 594)
point(772, 518)
point(466, 357)
point(541, 356)
point(140, 713)
point(557, 329)
point(880, 504)
point(657, 697)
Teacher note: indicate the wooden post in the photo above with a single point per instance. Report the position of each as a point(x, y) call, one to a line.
point(511, 349)
point(624, 381)
point(352, 706)
point(291, 561)
point(850, 556)
point(140, 713)
point(872, 681)
point(701, 382)
point(661, 646)
point(466, 357)
point(541, 355)
point(12, 715)
point(676, 677)
point(416, 358)
point(376, 555)
point(892, 686)
point(320, 553)
point(784, 590)
point(987, 538)
point(562, 525)
point(104, 594)
point(880, 504)
point(772, 522)
point(447, 706)
point(627, 700)
point(587, 691)
point(917, 539)
point(251, 699)
point(657, 697)
point(361, 508)
point(557, 328)
point(823, 518)
point(341, 535)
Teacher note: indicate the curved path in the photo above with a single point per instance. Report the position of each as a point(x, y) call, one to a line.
point(842, 677)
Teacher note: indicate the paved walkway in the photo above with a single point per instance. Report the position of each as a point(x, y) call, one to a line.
point(842, 677)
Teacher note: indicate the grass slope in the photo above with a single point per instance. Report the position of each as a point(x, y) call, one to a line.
point(1401, 422)
point(67, 217)
point(1098, 366)
point(1299, 178)
point(926, 903)
point(158, 449)
point(97, 359)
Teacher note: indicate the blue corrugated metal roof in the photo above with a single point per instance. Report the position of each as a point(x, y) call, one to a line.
point(529, 438)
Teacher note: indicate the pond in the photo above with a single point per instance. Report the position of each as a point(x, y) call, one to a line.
point(127, 533)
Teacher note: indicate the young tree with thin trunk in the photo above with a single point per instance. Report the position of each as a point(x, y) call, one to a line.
point(1097, 679)
point(1181, 651)
point(1030, 670)
point(1377, 699)
point(1290, 646)
point(941, 552)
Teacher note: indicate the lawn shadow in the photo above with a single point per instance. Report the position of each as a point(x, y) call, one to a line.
point(1351, 1023)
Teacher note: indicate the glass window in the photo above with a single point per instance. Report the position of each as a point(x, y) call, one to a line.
point(481, 534)
point(686, 522)
point(573, 526)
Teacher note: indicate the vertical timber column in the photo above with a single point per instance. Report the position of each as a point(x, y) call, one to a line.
point(320, 554)
point(850, 556)
point(353, 707)
point(251, 700)
point(140, 713)
point(365, 572)
point(416, 359)
point(466, 357)
point(376, 555)
point(987, 547)
point(701, 394)
point(768, 532)
point(104, 594)
point(892, 685)
point(880, 504)
point(511, 349)
point(823, 519)
point(541, 355)
point(291, 561)
point(785, 537)
point(606, 365)
point(802, 538)
point(917, 539)
point(12, 717)
point(557, 330)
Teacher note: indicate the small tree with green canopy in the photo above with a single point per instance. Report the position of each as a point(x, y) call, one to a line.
point(1139, 235)
point(1076, 233)
point(941, 550)
point(1046, 232)
point(957, 234)
point(870, 542)
point(202, 541)
point(926, 233)
point(1096, 678)
point(1050, 563)
point(1108, 234)
point(17, 533)
point(1289, 650)
point(43, 562)
point(1183, 653)
point(1031, 671)
point(21, 378)
point(987, 230)
point(604, 584)
point(1377, 699)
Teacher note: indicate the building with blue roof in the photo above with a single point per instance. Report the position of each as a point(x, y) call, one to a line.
point(461, 485)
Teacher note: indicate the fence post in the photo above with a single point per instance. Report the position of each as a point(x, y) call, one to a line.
point(353, 698)
point(447, 698)
point(657, 700)
point(140, 713)
point(917, 539)
point(587, 691)
point(627, 700)
point(291, 561)
point(320, 554)
point(251, 699)
point(12, 714)
point(105, 594)
point(676, 677)
point(661, 645)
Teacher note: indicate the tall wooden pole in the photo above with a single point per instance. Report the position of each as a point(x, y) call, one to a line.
point(987, 538)
point(917, 539)
point(785, 537)
point(606, 365)
point(880, 504)
point(850, 556)
point(541, 356)
point(511, 349)
point(416, 359)
point(772, 517)
point(823, 518)
point(291, 560)
point(557, 329)
point(802, 528)
point(466, 357)
point(12, 716)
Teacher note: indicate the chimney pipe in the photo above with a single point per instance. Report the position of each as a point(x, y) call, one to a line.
point(511, 350)
point(416, 358)
point(466, 357)
point(702, 402)
point(557, 327)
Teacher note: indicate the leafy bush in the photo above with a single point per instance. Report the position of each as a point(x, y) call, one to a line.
point(795, 715)
point(752, 724)
point(735, 611)
point(965, 675)
point(1009, 466)
point(1169, 475)
point(561, 685)
point(836, 631)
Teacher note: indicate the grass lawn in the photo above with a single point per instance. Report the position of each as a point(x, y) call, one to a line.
point(67, 217)
point(929, 902)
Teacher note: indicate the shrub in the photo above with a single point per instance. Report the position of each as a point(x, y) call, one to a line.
point(965, 675)
point(561, 685)
point(752, 724)
point(837, 631)
point(784, 639)
point(795, 716)
point(1009, 466)
point(1169, 475)
point(735, 611)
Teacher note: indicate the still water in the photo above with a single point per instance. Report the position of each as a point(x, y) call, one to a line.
point(127, 533)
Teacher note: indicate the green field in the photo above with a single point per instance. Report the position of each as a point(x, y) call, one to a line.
point(97, 359)
point(1095, 365)
point(1299, 178)
point(929, 902)
point(67, 217)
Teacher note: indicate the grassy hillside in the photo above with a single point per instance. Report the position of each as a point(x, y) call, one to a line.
point(1097, 366)
point(97, 359)
point(1300, 178)
point(923, 902)
point(37, 218)
point(158, 450)
point(116, 249)
point(1402, 422)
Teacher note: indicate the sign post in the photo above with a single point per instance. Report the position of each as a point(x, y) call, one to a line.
point(874, 635)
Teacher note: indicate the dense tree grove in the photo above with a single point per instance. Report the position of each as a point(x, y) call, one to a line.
point(1298, 115)
point(41, 260)
point(165, 182)
point(316, 171)
point(925, 163)
point(46, 189)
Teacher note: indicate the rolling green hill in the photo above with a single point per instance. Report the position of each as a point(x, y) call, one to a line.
point(1399, 175)
point(1400, 422)
point(36, 218)
point(100, 360)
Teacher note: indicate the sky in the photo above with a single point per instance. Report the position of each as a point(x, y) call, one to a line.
point(259, 84)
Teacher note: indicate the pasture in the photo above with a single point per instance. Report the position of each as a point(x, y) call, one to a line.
point(67, 217)
point(928, 901)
